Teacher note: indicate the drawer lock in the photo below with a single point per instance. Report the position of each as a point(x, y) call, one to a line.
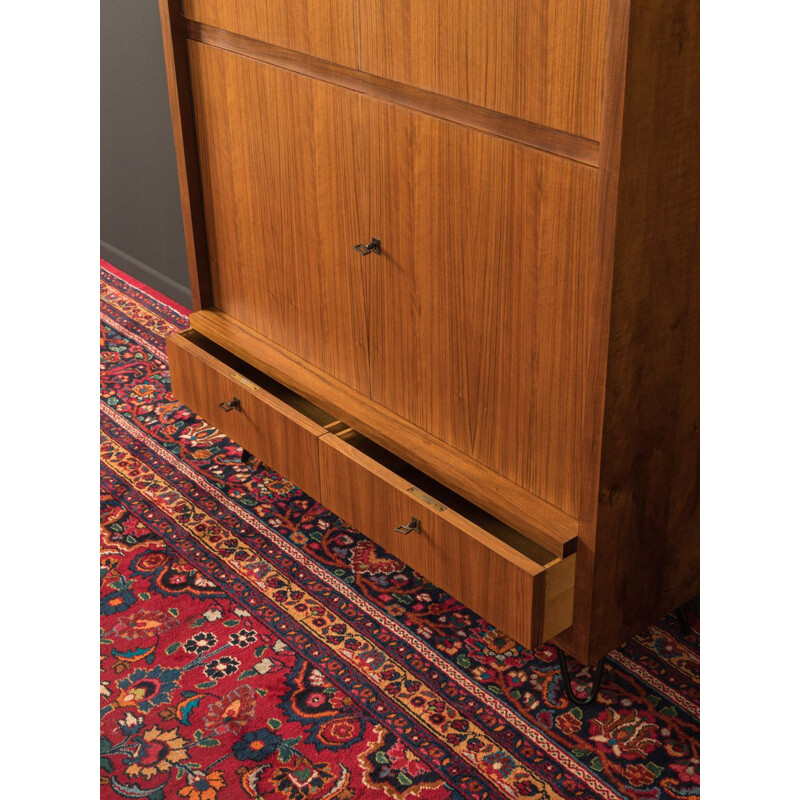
point(226, 407)
point(414, 525)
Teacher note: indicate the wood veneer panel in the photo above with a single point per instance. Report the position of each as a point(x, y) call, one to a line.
point(173, 31)
point(508, 127)
point(280, 161)
point(477, 303)
point(526, 513)
point(323, 28)
point(639, 551)
point(278, 434)
point(538, 61)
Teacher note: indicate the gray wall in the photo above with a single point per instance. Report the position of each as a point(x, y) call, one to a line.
point(141, 229)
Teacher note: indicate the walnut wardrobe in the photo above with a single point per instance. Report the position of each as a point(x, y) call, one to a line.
point(445, 272)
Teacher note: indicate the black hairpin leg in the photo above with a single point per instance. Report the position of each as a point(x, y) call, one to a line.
point(598, 677)
point(246, 456)
point(683, 621)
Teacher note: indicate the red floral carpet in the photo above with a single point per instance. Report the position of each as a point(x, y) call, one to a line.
point(253, 646)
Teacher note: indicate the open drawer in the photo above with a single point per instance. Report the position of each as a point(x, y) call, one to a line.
point(498, 573)
point(262, 415)
point(502, 575)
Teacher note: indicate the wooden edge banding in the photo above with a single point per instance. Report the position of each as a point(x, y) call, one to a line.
point(549, 140)
point(558, 598)
point(173, 30)
point(538, 604)
point(173, 343)
point(533, 517)
point(482, 536)
point(576, 643)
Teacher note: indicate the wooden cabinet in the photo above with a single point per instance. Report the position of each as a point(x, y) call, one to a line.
point(473, 308)
point(515, 367)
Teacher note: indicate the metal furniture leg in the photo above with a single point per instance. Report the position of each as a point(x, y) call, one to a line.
point(565, 677)
point(683, 621)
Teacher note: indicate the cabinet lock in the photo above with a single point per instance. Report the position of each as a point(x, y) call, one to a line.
point(373, 247)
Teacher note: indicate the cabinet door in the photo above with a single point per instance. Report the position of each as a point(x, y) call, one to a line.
point(539, 61)
point(279, 161)
point(321, 28)
point(479, 298)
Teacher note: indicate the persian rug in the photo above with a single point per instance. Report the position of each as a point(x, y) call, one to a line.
point(255, 646)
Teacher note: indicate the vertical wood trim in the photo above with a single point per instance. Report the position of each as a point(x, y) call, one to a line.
point(647, 539)
point(538, 590)
point(173, 30)
point(576, 641)
point(559, 596)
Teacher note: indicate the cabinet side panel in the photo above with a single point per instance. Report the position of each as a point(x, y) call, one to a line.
point(173, 30)
point(646, 546)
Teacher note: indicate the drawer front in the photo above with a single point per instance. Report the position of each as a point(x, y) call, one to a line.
point(529, 601)
point(321, 28)
point(278, 434)
point(539, 62)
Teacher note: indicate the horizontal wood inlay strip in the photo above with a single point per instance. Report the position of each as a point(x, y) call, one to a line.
point(560, 143)
point(527, 513)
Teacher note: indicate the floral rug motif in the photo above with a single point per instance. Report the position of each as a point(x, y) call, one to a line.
point(254, 646)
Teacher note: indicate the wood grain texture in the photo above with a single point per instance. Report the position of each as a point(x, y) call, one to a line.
point(322, 28)
point(540, 61)
point(529, 336)
point(559, 593)
point(478, 300)
point(531, 516)
point(376, 501)
point(173, 30)
point(541, 137)
point(273, 431)
point(639, 551)
point(281, 157)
